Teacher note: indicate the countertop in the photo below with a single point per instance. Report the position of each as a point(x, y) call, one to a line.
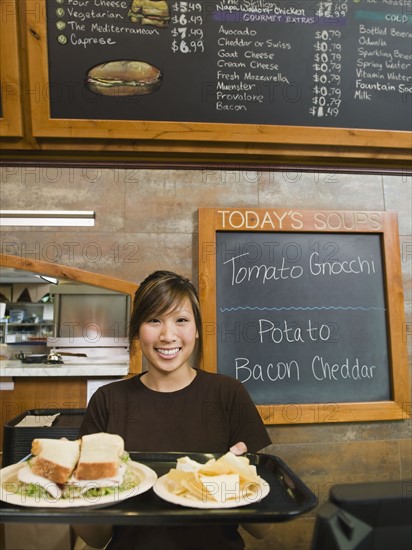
point(85, 367)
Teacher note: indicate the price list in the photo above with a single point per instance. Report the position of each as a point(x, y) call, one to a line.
point(187, 28)
point(337, 63)
point(327, 66)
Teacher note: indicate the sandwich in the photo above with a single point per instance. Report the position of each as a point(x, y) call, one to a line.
point(123, 78)
point(55, 458)
point(150, 12)
point(95, 465)
point(99, 456)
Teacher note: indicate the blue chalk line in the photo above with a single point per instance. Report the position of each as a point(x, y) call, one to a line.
point(300, 308)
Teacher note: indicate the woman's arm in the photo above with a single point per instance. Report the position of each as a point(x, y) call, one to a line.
point(257, 530)
point(93, 535)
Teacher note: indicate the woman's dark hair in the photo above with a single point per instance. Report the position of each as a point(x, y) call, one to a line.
point(160, 292)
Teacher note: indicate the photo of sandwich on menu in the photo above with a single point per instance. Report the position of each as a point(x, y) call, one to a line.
point(150, 12)
point(123, 78)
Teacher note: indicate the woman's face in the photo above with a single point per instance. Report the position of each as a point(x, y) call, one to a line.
point(167, 341)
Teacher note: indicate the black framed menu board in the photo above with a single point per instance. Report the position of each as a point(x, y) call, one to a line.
point(335, 72)
point(305, 309)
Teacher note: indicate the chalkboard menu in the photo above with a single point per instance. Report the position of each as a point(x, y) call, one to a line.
point(339, 63)
point(304, 315)
point(248, 78)
point(301, 310)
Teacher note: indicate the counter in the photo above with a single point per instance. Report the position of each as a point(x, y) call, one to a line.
point(86, 367)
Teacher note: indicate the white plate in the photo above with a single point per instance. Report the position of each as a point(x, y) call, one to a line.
point(9, 475)
point(162, 491)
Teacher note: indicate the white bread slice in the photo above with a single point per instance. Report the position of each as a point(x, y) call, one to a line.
point(99, 456)
point(55, 459)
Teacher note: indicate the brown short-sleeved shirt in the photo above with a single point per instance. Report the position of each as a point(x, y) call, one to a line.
point(210, 415)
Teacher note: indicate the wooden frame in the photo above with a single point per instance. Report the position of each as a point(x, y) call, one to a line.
point(11, 121)
point(80, 276)
point(212, 221)
point(190, 138)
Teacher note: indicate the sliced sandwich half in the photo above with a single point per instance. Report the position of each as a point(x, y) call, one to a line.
point(99, 456)
point(55, 459)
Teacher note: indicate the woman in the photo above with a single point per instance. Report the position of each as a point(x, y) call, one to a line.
point(173, 406)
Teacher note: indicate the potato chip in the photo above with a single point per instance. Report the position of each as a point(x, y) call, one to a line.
point(178, 475)
point(187, 464)
point(229, 477)
point(175, 480)
point(195, 488)
point(222, 488)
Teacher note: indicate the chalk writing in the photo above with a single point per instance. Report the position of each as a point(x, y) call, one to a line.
point(301, 310)
point(334, 64)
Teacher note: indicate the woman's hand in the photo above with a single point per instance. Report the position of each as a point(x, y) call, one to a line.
point(257, 530)
point(239, 448)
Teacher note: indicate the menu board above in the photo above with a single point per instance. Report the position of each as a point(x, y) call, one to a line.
point(339, 64)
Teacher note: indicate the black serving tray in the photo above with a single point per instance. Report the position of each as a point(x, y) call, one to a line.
point(17, 440)
point(289, 497)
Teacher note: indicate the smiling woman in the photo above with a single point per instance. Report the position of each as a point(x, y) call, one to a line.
point(165, 292)
point(167, 341)
point(166, 320)
point(174, 406)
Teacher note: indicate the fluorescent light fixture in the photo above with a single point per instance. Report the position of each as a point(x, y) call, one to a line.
point(48, 217)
